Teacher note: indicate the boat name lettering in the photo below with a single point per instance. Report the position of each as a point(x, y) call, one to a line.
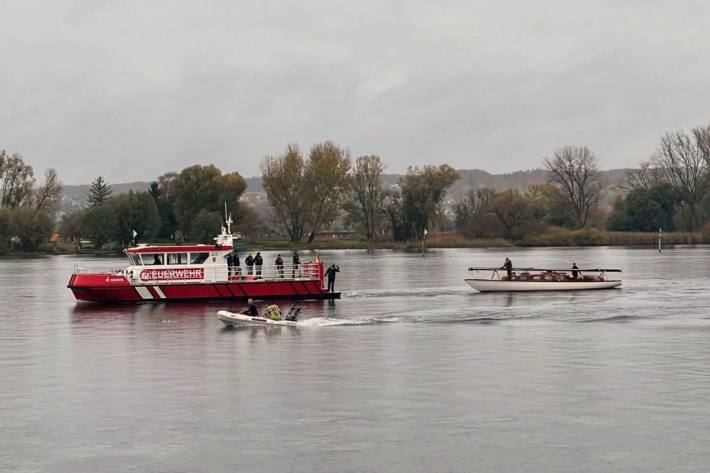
point(172, 274)
point(114, 279)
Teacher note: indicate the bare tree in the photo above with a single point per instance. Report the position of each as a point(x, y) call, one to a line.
point(48, 194)
point(702, 140)
point(367, 193)
point(284, 184)
point(645, 177)
point(469, 209)
point(575, 171)
point(681, 157)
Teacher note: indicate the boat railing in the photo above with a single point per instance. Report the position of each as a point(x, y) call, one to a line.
point(218, 272)
point(305, 270)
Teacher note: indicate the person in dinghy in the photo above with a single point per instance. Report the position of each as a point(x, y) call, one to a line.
point(272, 312)
point(251, 311)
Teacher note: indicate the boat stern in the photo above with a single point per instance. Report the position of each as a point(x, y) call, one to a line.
point(102, 287)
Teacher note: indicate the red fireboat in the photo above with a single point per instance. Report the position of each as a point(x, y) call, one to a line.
point(197, 272)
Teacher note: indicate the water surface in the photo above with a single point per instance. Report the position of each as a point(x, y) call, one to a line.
point(410, 371)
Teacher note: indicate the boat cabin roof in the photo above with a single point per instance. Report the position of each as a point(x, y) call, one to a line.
point(178, 249)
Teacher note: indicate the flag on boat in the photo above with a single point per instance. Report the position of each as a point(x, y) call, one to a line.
point(425, 232)
point(135, 234)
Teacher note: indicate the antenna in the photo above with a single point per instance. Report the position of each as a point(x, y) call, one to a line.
point(228, 219)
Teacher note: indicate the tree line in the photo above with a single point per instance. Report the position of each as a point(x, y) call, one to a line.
point(568, 199)
point(180, 206)
point(307, 195)
point(327, 188)
point(670, 190)
point(27, 208)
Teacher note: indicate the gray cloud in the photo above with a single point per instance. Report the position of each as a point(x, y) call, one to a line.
point(133, 89)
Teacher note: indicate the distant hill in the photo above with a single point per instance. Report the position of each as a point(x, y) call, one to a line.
point(74, 197)
point(477, 178)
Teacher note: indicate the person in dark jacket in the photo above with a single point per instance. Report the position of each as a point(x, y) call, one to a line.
point(575, 273)
point(280, 266)
point(258, 262)
point(249, 261)
point(232, 263)
point(330, 274)
point(508, 266)
point(296, 263)
point(235, 260)
point(251, 311)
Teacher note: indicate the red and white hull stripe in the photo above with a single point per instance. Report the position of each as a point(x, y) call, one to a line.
point(96, 288)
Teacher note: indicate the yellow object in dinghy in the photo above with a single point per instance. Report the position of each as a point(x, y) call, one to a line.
point(272, 312)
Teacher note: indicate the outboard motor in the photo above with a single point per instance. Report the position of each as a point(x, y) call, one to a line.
point(293, 312)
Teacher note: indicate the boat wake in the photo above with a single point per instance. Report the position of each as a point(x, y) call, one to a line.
point(613, 318)
point(418, 292)
point(441, 318)
point(330, 322)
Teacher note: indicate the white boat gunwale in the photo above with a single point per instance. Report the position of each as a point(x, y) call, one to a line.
point(233, 319)
point(543, 280)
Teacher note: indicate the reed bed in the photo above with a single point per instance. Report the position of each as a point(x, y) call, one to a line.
point(651, 238)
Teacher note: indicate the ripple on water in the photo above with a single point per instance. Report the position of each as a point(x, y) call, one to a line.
point(410, 371)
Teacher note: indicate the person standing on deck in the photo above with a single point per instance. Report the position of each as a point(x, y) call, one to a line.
point(575, 273)
point(508, 266)
point(235, 260)
point(330, 274)
point(230, 264)
point(296, 263)
point(233, 263)
point(280, 266)
point(249, 261)
point(258, 262)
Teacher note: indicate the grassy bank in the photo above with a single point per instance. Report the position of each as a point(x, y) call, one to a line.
point(436, 240)
point(594, 237)
point(651, 238)
point(552, 237)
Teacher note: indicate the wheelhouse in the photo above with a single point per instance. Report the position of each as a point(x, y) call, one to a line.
point(160, 257)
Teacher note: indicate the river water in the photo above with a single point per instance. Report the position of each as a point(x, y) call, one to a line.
point(410, 371)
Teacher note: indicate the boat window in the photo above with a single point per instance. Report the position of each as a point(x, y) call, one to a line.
point(134, 260)
point(177, 258)
point(152, 258)
point(198, 258)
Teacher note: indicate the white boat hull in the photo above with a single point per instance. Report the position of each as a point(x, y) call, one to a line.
point(502, 285)
point(230, 319)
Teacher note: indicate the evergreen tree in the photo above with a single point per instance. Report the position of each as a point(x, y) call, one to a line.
point(99, 192)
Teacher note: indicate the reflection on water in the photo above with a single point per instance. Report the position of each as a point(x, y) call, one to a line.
point(410, 371)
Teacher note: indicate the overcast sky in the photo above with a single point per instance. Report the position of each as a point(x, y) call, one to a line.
point(132, 89)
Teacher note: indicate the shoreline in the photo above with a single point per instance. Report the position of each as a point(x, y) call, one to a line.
point(612, 239)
